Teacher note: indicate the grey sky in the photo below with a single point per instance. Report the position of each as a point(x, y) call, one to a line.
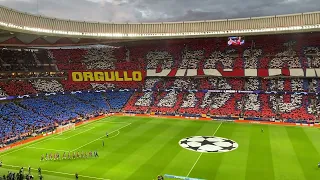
point(160, 10)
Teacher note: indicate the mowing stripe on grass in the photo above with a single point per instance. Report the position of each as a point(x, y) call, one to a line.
point(85, 124)
point(118, 132)
point(31, 147)
point(285, 162)
point(26, 146)
point(233, 164)
point(305, 152)
point(209, 164)
point(126, 153)
point(100, 137)
point(259, 162)
point(111, 154)
point(66, 166)
point(202, 152)
point(149, 147)
point(112, 122)
point(186, 156)
point(43, 140)
point(78, 133)
point(313, 134)
point(162, 157)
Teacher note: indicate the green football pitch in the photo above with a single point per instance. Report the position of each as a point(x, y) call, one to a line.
point(140, 148)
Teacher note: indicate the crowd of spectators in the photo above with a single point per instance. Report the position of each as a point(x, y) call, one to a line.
point(202, 102)
point(274, 51)
point(295, 106)
point(117, 100)
point(42, 85)
point(28, 115)
point(168, 95)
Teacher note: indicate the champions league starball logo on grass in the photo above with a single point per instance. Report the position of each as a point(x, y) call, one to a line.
point(208, 144)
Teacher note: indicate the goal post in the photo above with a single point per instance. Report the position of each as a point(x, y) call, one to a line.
point(61, 129)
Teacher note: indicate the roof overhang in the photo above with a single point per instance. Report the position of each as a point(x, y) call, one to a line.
point(23, 29)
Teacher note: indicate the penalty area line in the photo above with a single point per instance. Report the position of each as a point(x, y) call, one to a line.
point(57, 172)
point(70, 131)
point(54, 136)
point(78, 133)
point(201, 153)
point(28, 145)
point(117, 130)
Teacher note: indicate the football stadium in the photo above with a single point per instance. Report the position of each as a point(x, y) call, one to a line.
point(234, 99)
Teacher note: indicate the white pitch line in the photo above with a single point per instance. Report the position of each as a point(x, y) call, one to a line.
point(52, 137)
point(202, 153)
point(39, 141)
point(78, 133)
point(58, 138)
point(57, 172)
point(70, 131)
point(118, 132)
point(100, 137)
point(47, 149)
point(112, 122)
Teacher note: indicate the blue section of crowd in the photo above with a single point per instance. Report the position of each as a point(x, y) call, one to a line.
point(118, 99)
point(30, 114)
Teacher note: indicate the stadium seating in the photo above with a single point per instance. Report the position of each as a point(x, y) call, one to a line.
point(16, 120)
point(96, 100)
point(33, 113)
point(179, 95)
point(198, 103)
point(15, 88)
point(47, 86)
point(68, 59)
point(2, 93)
point(17, 60)
point(117, 100)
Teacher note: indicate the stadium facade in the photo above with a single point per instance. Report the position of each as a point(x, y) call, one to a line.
point(48, 29)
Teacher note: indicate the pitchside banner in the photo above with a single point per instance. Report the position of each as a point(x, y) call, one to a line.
point(107, 76)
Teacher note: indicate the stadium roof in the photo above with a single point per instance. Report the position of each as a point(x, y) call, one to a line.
point(24, 29)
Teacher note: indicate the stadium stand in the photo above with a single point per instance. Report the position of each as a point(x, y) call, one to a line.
point(188, 96)
point(117, 100)
point(15, 88)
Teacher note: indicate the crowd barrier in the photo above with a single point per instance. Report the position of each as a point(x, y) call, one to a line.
point(156, 116)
